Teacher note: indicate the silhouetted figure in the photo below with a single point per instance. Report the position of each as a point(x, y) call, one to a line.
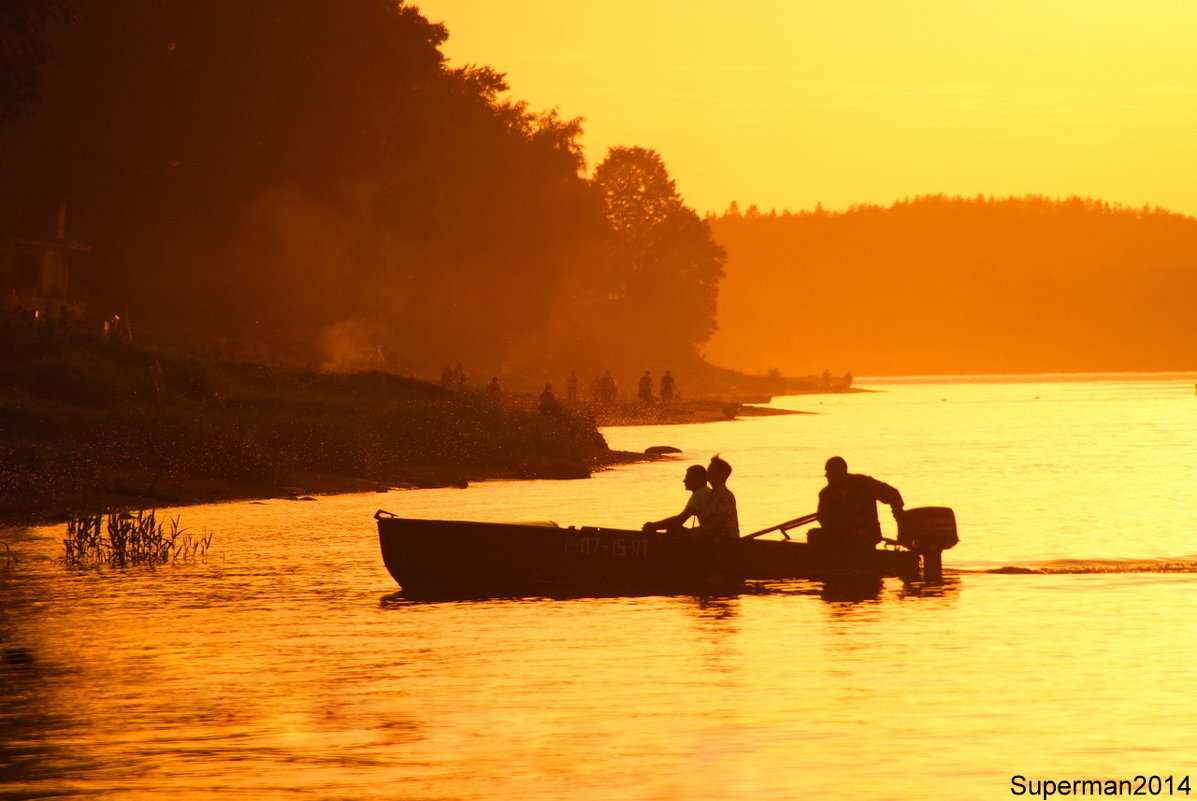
point(571, 387)
point(548, 401)
point(827, 378)
point(608, 390)
point(447, 376)
point(719, 518)
point(696, 482)
point(493, 390)
point(459, 376)
point(668, 387)
point(645, 391)
point(848, 506)
point(848, 380)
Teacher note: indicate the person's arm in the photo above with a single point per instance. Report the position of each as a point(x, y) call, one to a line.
point(889, 495)
point(676, 521)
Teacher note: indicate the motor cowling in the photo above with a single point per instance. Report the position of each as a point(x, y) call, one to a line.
point(927, 528)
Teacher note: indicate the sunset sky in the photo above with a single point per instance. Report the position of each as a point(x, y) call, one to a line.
point(789, 103)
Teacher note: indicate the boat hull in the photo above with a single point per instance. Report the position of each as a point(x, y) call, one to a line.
point(456, 558)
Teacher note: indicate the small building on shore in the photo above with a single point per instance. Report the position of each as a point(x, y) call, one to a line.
point(35, 274)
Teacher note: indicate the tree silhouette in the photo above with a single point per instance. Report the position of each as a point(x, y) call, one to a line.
point(24, 50)
point(666, 267)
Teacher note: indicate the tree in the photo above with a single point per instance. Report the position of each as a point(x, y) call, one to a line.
point(24, 50)
point(665, 265)
point(268, 170)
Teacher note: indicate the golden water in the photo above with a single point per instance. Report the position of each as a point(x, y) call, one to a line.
point(284, 665)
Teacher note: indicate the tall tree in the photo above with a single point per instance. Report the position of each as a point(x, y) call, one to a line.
point(24, 50)
point(666, 267)
point(278, 167)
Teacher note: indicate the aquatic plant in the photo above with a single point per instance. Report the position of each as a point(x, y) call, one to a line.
point(125, 539)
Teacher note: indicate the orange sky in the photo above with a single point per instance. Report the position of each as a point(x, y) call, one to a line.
point(789, 103)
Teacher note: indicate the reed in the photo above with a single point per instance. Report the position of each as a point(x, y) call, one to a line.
point(126, 539)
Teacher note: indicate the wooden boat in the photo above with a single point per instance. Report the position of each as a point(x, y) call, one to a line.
point(451, 558)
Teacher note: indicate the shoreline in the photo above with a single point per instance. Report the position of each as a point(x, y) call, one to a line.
point(132, 489)
point(129, 490)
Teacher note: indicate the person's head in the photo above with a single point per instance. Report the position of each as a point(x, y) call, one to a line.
point(718, 470)
point(696, 477)
point(835, 469)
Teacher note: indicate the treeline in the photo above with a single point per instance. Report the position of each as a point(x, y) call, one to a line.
point(311, 176)
point(959, 285)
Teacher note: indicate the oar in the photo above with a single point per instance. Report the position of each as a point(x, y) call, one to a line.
point(784, 527)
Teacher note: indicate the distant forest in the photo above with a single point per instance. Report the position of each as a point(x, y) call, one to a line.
point(957, 285)
point(309, 179)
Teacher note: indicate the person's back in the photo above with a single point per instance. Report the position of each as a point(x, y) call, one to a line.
point(848, 505)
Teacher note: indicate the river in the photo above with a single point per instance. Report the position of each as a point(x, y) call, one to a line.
point(284, 664)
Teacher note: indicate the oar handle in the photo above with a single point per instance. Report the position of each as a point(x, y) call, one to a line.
point(784, 527)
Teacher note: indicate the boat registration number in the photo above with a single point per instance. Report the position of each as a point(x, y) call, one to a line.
point(602, 546)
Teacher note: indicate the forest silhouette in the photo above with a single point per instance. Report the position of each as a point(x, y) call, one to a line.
point(949, 285)
point(312, 180)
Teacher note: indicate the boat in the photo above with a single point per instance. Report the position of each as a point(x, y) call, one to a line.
point(457, 558)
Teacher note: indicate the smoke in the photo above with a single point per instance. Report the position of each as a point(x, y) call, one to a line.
point(351, 346)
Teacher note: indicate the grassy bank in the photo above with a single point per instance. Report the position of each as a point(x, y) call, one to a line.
point(88, 423)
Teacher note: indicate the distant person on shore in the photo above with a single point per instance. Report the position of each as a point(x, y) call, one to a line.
point(493, 390)
point(848, 506)
point(696, 482)
point(571, 387)
point(608, 390)
point(719, 519)
point(447, 377)
point(548, 401)
point(668, 387)
point(645, 392)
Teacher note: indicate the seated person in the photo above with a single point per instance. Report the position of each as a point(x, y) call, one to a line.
point(696, 482)
point(848, 507)
point(719, 518)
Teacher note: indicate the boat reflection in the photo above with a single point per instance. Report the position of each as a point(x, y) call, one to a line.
point(724, 601)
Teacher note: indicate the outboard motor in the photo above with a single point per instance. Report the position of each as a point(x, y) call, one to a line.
point(928, 531)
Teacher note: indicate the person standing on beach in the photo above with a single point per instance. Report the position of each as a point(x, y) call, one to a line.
point(646, 387)
point(548, 404)
point(719, 519)
point(668, 387)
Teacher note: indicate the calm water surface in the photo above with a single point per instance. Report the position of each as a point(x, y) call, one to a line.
point(286, 666)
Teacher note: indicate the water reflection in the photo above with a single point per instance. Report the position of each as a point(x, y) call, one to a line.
point(843, 589)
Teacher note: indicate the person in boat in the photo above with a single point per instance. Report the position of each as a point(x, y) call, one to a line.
point(696, 482)
point(719, 518)
point(848, 506)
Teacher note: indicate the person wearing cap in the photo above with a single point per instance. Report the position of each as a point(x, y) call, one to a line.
point(848, 506)
point(696, 482)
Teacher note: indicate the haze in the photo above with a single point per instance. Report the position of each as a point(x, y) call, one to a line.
point(789, 104)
